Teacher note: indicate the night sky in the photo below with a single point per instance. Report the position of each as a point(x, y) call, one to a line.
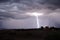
point(13, 13)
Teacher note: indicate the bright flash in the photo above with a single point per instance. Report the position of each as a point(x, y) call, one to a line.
point(36, 15)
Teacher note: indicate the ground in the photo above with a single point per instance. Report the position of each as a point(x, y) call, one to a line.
point(30, 34)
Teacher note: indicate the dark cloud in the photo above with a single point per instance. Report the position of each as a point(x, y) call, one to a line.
point(4, 1)
point(1, 1)
point(53, 2)
point(4, 16)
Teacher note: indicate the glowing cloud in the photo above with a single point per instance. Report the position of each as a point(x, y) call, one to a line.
point(35, 14)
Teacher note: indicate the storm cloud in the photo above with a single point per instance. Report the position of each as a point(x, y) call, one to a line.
point(16, 10)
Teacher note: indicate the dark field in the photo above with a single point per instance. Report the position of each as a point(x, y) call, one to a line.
point(30, 34)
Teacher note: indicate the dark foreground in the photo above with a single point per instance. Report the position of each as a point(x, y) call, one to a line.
point(30, 34)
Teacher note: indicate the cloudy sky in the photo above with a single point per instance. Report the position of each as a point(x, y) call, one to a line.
point(13, 13)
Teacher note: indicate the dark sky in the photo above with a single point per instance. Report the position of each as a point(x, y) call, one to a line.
point(13, 13)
